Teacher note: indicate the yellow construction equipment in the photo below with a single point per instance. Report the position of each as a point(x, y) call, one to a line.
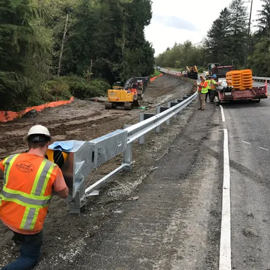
point(192, 72)
point(129, 96)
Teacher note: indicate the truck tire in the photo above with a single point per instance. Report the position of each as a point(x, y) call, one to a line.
point(108, 105)
point(255, 100)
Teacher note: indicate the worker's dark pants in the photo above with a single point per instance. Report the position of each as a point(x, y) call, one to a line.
point(30, 246)
point(212, 94)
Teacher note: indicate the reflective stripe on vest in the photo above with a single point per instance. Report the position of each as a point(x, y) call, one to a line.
point(7, 162)
point(33, 201)
point(23, 200)
point(42, 178)
point(29, 218)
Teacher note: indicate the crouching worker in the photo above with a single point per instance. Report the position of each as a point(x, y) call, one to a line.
point(29, 179)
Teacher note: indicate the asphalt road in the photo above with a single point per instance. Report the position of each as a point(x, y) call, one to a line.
point(249, 147)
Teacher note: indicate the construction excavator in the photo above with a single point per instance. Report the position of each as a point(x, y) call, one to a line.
point(192, 72)
point(128, 96)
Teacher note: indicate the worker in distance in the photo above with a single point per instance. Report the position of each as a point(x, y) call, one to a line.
point(203, 90)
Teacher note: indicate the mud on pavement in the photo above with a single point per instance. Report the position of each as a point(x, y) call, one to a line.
point(64, 234)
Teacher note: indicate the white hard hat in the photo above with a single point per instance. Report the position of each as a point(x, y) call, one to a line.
point(37, 130)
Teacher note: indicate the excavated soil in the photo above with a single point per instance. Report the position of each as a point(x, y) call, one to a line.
point(86, 120)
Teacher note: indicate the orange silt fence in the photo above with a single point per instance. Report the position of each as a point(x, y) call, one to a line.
point(6, 116)
point(154, 78)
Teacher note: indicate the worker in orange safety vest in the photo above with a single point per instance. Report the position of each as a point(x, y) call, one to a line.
point(203, 90)
point(29, 180)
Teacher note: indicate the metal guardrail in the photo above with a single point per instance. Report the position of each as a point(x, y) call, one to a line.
point(261, 79)
point(85, 156)
point(256, 78)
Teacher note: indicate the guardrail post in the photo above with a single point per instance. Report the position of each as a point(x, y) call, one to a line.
point(180, 101)
point(142, 117)
point(168, 121)
point(127, 157)
point(174, 103)
point(127, 154)
point(158, 111)
point(141, 139)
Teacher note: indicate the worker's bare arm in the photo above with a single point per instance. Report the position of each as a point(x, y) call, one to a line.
point(63, 193)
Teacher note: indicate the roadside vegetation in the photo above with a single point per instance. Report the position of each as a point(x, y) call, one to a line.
point(52, 49)
point(156, 73)
point(227, 43)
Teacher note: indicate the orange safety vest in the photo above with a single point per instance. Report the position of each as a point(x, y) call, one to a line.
point(134, 91)
point(27, 191)
point(203, 87)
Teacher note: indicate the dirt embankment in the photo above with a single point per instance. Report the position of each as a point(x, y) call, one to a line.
point(85, 120)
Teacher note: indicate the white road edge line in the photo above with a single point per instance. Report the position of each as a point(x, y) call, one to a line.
point(225, 260)
point(222, 113)
point(246, 142)
point(265, 149)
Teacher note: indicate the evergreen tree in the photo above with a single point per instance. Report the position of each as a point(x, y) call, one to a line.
point(260, 59)
point(263, 22)
point(19, 49)
point(218, 39)
point(108, 40)
point(238, 32)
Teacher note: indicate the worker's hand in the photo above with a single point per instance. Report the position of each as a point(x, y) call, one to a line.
point(63, 193)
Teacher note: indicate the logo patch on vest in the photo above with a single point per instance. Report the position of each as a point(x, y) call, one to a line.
point(25, 166)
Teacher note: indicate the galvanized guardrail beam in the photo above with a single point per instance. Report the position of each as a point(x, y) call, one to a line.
point(261, 79)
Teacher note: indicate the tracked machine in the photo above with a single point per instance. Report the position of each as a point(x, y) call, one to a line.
point(128, 96)
point(192, 72)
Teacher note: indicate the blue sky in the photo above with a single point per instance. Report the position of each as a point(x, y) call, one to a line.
point(181, 20)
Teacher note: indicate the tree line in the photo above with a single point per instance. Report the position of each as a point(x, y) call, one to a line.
point(52, 49)
point(229, 41)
